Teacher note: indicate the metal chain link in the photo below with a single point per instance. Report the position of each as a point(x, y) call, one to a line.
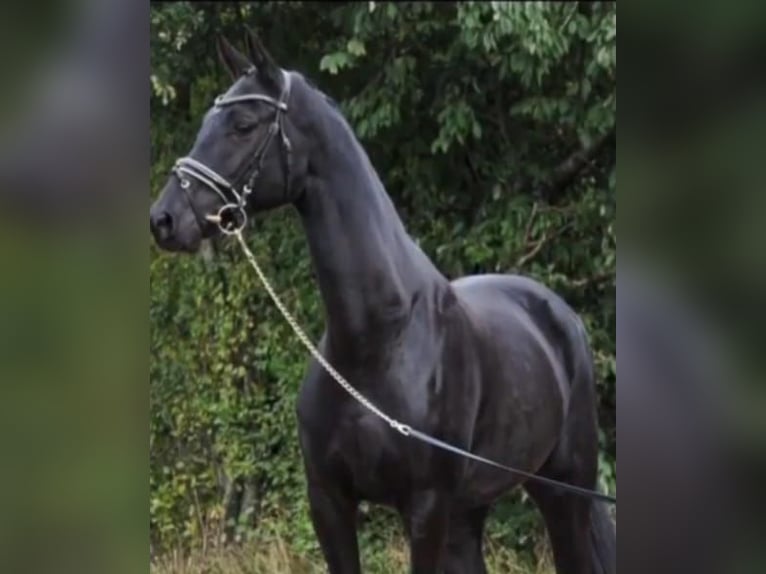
point(340, 379)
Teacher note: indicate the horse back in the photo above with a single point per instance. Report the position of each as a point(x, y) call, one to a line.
point(506, 299)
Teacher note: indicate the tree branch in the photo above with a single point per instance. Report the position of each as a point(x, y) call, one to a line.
point(529, 255)
point(530, 222)
point(595, 279)
point(539, 244)
point(568, 170)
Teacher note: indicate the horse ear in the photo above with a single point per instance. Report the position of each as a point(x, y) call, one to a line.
point(233, 60)
point(267, 69)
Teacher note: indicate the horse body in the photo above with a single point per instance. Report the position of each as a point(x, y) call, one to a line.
point(524, 386)
point(482, 374)
point(495, 364)
point(480, 363)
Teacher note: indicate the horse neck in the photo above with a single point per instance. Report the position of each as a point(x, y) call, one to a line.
point(369, 270)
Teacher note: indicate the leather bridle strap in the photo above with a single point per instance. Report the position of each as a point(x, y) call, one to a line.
point(199, 171)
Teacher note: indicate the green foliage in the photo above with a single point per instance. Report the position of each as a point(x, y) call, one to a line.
point(466, 111)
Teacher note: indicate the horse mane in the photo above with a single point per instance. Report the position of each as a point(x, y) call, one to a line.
point(327, 98)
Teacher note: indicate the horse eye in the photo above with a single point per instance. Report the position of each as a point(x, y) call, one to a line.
point(244, 127)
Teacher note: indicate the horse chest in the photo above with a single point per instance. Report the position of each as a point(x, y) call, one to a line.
point(373, 456)
point(346, 443)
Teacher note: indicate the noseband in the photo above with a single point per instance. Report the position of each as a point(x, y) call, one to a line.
point(232, 215)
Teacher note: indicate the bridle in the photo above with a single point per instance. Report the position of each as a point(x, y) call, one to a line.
point(232, 215)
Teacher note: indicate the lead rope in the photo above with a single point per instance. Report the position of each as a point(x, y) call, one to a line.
point(402, 428)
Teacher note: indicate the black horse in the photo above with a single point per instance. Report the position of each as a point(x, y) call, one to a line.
point(495, 364)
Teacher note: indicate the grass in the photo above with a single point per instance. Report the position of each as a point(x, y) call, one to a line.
point(276, 557)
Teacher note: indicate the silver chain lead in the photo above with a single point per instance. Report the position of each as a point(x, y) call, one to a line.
point(340, 379)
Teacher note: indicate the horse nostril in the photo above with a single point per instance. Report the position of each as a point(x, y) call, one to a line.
point(161, 224)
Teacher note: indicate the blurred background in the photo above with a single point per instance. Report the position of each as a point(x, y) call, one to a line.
point(691, 288)
point(74, 117)
point(492, 126)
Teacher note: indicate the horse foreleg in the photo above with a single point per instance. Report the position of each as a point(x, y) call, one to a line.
point(428, 527)
point(464, 546)
point(334, 518)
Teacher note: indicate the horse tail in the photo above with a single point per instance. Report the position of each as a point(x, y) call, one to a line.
point(602, 529)
point(603, 539)
point(578, 361)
